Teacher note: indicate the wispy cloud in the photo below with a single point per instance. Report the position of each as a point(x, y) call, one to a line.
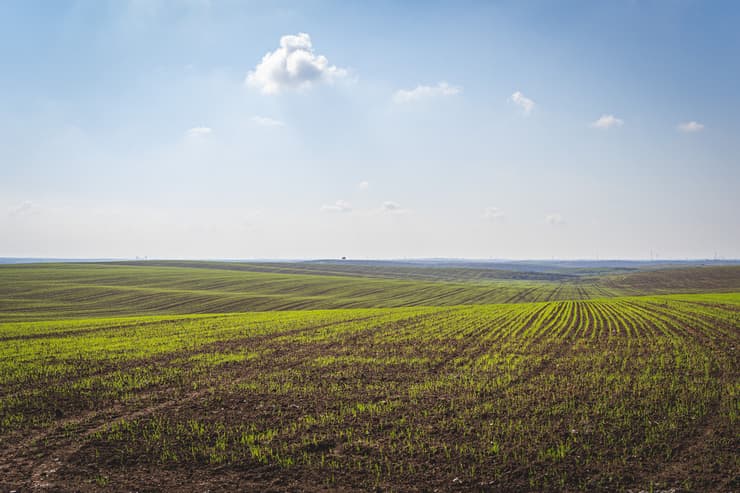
point(523, 102)
point(392, 207)
point(264, 121)
point(338, 206)
point(364, 185)
point(493, 214)
point(424, 92)
point(197, 132)
point(23, 209)
point(607, 121)
point(293, 65)
point(690, 127)
point(554, 219)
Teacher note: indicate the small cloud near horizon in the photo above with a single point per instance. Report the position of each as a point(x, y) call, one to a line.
point(392, 207)
point(493, 214)
point(421, 92)
point(364, 185)
point(554, 219)
point(292, 66)
point(23, 209)
point(338, 206)
point(607, 121)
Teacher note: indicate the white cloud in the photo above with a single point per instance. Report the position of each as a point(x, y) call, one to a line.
point(292, 66)
point(607, 121)
point(24, 209)
point(197, 132)
point(338, 206)
point(392, 207)
point(423, 92)
point(554, 219)
point(264, 121)
point(522, 101)
point(493, 214)
point(691, 127)
point(364, 185)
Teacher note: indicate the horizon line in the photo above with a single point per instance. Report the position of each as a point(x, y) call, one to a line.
point(353, 259)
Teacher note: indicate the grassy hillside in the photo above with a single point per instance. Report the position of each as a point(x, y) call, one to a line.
point(382, 270)
point(673, 280)
point(444, 270)
point(53, 291)
point(50, 291)
point(604, 395)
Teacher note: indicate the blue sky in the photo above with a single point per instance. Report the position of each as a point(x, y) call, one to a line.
point(311, 129)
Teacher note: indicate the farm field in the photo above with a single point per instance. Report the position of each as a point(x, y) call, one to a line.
point(44, 291)
point(55, 291)
point(611, 393)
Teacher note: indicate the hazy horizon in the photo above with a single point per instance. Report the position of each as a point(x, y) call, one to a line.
point(304, 130)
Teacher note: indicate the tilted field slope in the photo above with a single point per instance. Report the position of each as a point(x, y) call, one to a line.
point(53, 291)
point(595, 395)
point(384, 270)
point(441, 270)
point(47, 291)
point(674, 280)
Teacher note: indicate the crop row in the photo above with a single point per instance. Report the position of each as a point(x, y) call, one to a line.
point(596, 395)
point(52, 292)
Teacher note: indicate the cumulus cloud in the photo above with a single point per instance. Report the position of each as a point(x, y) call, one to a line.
point(294, 65)
point(554, 219)
point(523, 102)
point(690, 127)
point(197, 132)
point(390, 206)
point(338, 206)
point(607, 121)
point(264, 121)
point(424, 92)
point(364, 185)
point(493, 214)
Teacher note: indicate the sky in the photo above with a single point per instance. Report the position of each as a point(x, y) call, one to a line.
point(383, 129)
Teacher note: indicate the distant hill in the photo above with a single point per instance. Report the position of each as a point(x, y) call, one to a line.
point(38, 260)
